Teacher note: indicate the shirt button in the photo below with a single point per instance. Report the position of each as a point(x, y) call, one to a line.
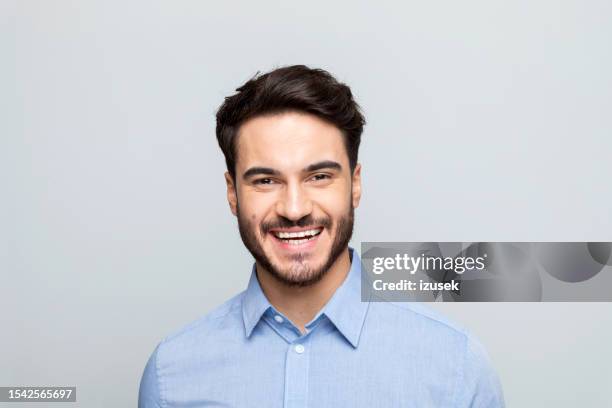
point(299, 349)
point(278, 319)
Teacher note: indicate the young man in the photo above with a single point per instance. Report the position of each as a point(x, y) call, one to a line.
point(300, 335)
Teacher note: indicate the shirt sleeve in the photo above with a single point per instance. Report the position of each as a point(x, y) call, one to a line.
point(479, 385)
point(149, 395)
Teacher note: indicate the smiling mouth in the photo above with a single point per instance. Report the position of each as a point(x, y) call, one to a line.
point(297, 237)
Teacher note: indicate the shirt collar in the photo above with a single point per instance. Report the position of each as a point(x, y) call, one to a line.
point(254, 303)
point(345, 309)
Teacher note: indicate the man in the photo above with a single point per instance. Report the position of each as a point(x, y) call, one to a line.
point(300, 335)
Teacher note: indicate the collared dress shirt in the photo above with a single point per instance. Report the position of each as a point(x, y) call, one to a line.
point(354, 354)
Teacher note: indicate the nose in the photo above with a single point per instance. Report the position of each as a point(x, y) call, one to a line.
point(294, 203)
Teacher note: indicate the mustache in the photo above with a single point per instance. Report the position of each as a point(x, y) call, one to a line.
point(305, 221)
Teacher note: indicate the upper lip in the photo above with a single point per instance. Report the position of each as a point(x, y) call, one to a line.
point(296, 229)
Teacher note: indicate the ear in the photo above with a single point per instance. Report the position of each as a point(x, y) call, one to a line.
point(232, 197)
point(356, 181)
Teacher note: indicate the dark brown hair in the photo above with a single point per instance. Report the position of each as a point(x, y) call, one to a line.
point(293, 88)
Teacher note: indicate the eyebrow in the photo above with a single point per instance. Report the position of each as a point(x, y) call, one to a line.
point(268, 171)
point(325, 164)
point(256, 171)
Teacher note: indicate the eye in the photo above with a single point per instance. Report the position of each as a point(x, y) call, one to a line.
point(263, 181)
point(319, 177)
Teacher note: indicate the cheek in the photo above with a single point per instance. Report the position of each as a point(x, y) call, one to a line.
point(335, 204)
point(258, 203)
point(249, 215)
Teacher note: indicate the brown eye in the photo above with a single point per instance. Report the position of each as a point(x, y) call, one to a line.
point(319, 177)
point(264, 181)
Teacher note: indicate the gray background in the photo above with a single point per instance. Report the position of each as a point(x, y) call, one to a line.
point(487, 121)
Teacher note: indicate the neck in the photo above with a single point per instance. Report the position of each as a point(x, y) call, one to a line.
point(301, 304)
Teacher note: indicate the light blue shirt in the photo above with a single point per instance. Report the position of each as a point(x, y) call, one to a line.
point(354, 354)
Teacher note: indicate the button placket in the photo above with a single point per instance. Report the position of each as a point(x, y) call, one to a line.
point(296, 375)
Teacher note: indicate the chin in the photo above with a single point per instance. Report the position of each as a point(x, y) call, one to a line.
point(302, 272)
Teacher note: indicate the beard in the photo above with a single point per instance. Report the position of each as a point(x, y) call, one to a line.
point(300, 273)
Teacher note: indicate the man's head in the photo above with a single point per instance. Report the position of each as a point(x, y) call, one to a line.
point(291, 139)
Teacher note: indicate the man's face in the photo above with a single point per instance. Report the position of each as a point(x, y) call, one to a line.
point(294, 195)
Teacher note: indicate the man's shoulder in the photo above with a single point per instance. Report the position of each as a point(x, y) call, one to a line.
point(210, 327)
point(443, 344)
point(429, 331)
point(424, 317)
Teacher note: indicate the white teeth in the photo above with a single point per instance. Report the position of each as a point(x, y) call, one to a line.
point(296, 241)
point(285, 235)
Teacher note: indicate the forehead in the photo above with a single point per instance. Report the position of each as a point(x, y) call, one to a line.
point(289, 141)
